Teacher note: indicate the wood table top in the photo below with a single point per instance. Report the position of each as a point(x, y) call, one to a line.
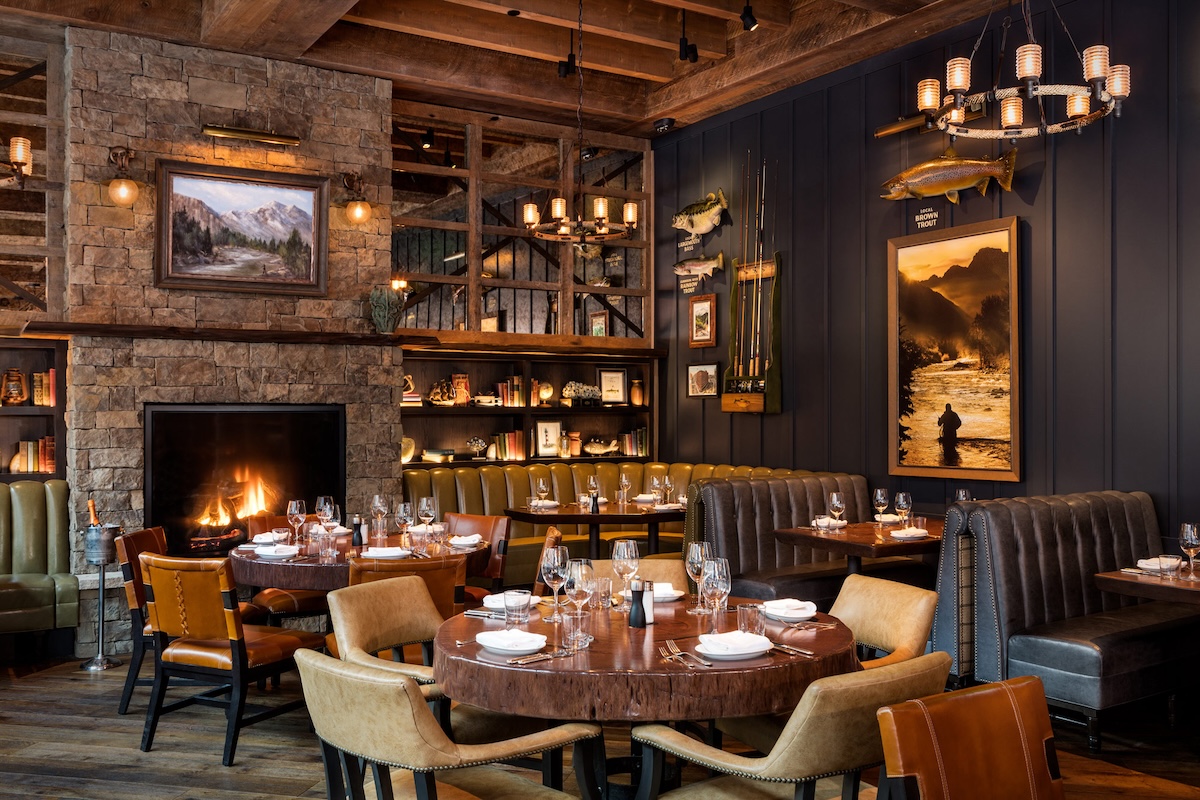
point(622, 677)
point(1177, 590)
point(865, 539)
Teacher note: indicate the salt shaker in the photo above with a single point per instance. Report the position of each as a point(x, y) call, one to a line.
point(648, 601)
point(637, 607)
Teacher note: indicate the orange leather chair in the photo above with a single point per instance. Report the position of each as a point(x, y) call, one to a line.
point(199, 635)
point(988, 742)
point(495, 531)
point(553, 539)
point(283, 604)
point(129, 547)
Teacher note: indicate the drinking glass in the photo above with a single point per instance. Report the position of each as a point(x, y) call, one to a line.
point(903, 506)
point(516, 607)
point(715, 586)
point(580, 582)
point(625, 563)
point(752, 618)
point(624, 484)
point(837, 506)
point(668, 487)
point(697, 554)
point(425, 510)
point(554, 574)
point(324, 508)
point(333, 517)
point(575, 636)
point(404, 516)
point(601, 594)
point(962, 495)
point(880, 501)
point(542, 489)
point(593, 486)
point(656, 488)
point(379, 506)
point(1189, 543)
point(296, 516)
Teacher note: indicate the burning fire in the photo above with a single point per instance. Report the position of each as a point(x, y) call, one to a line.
point(248, 495)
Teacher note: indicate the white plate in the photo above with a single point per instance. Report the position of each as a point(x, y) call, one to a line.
point(497, 644)
point(674, 595)
point(781, 617)
point(495, 602)
point(726, 655)
point(909, 537)
point(277, 552)
point(388, 552)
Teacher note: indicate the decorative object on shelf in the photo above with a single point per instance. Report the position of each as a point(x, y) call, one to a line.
point(563, 228)
point(564, 446)
point(703, 215)
point(703, 267)
point(241, 230)
point(598, 447)
point(477, 445)
point(1105, 84)
point(963, 337)
point(486, 400)
point(462, 388)
point(20, 160)
point(612, 386)
point(949, 174)
point(548, 432)
point(491, 452)
point(752, 379)
point(702, 327)
point(13, 389)
point(637, 394)
point(385, 309)
point(545, 392)
point(408, 449)
point(441, 393)
point(702, 380)
point(598, 323)
point(582, 392)
point(122, 189)
point(437, 455)
point(576, 443)
point(358, 210)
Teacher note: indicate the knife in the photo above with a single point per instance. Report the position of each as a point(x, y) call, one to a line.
point(484, 614)
point(523, 660)
point(795, 651)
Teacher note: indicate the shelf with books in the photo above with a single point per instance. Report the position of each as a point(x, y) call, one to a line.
point(32, 397)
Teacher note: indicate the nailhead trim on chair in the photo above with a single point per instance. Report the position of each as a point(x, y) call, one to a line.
point(740, 774)
point(520, 754)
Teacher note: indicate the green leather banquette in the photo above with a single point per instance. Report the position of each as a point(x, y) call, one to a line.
point(37, 590)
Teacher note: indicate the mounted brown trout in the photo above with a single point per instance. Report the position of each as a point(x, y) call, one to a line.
point(949, 174)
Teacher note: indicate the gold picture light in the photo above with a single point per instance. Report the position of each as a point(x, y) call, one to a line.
point(250, 135)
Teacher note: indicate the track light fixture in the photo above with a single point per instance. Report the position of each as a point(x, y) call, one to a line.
point(687, 50)
point(427, 139)
point(447, 161)
point(749, 21)
point(568, 67)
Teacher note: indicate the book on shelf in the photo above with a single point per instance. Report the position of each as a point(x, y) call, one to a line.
point(34, 456)
point(510, 445)
point(41, 389)
point(411, 399)
point(511, 391)
point(635, 443)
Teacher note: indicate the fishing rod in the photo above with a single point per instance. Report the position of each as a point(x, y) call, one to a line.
point(741, 295)
point(775, 279)
point(757, 313)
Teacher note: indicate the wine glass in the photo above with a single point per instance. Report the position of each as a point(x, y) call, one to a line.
point(715, 586)
point(404, 516)
point(543, 489)
point(1189, 543)
point(697, 554)
point(593, 486)
point(333, 512)
point(554, 574)
point(379, 506)
point(624, 484)
point(625, 563)
point(425, 510)
point(837, 506)
point(656, 488)
point(668, 487)
point(903, 506)
point(880, 501)
point(323, 507)
point(296, 516)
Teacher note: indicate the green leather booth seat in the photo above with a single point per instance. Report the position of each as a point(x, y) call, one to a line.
point(37, 590)
point(491, 488)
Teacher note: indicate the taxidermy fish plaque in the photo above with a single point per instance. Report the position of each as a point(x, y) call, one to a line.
point(950, 174)
point(700, 266)
point(702, 216)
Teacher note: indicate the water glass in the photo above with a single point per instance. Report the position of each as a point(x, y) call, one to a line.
point(420, 539)
point(327, 547)
point(516, 607)
point(281, 535)
point(822, 522)
point(379, 532)
point(575, 626)
point(752, 618)
point(962, 495)
point(1168, 566)
point(532, 504)
point(602, 595)
point(921, 523)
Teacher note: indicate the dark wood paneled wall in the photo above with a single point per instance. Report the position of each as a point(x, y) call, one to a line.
point(1109, 264)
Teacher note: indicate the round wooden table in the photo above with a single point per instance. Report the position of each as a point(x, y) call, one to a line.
point(609, 514)
point(621, 677)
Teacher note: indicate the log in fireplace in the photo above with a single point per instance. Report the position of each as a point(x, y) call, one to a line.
point(211, 467)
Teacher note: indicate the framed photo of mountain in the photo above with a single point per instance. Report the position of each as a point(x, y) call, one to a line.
point(241, 230)
point(954, 407)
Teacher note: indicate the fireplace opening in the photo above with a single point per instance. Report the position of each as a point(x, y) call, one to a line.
point(209, 468)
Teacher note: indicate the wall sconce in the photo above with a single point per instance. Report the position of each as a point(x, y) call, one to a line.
point(20, 159)
point(250, 135)
point(122, 190)
point(358, 210)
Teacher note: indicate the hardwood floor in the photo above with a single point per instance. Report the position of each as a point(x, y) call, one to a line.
point(60, 737)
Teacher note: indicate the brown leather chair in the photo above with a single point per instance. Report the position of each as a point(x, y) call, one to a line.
point(987, 742)
point(129, 546)
point(553, 539)
point(489, 565)
point(831, 732)
point(284, 604)
point(369, 717)
point(444, 576)
point(199, 635)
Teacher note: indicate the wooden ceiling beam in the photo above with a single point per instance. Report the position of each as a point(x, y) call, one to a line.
point(277, 28)
point(448, 22)
point(649, 24)
point(448, 70)
point(177, 21)
point(897, 8)
point(770, 13)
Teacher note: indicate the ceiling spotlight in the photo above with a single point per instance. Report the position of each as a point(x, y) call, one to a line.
point(427, 139)
point(567, 67)
point(588, 153)
point(749, 21)
point(687, 51)
point(663, 125)
point(447, 161)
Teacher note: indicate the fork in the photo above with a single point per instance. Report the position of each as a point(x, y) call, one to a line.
point(462, 642)
point(669, 656)
point(681, 653)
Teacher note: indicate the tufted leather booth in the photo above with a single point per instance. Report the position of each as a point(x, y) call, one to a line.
point(37, 590)
point(491, 488)
point(954, 619)
point(1038, 611)
point(738, 515)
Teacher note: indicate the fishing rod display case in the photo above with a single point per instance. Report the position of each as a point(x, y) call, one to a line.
point(751, 383)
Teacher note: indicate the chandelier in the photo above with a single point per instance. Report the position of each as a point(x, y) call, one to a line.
point(1107, 85)
point(564, 228)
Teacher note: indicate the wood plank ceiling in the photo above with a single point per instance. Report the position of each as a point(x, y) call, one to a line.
point(502, 56)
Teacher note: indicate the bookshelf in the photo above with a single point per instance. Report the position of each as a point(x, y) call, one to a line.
point(38, 431)
point(515, 421)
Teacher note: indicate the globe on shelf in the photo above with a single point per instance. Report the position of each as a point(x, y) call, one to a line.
point(545, 392)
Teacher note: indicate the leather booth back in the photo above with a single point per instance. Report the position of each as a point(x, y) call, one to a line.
point(34, 528)
point(954, 620)
point(1036, 558)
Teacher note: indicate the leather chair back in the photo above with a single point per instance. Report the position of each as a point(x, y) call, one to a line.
point(494, 531)
point(553, 539)
point(261, 523)
point(129, 547)
point(191, 598)
point(445, 578)
point(989, 742)
point(381, 614)
point(886, 615)
point(659, 570)
point(954, 620)
point(35, 527)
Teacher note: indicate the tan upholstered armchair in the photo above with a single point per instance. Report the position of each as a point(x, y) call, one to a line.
point(832, 731)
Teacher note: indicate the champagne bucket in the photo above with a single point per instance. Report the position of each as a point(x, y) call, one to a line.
point(98, 545)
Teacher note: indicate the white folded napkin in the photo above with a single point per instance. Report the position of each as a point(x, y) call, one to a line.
point(545, 504)
point(339, 530)
point(644, 498)
point(789, 607)
point(910, 533)
point(734, 642)
point(833, 523)
point(267, 538)
point(496, 601)
point(1151, 564)
point(277, 550)
point(887, 518)
point(385, 552)
point(465, 541)
point(662, 591)
point(668, 506)
point(511, 639)
point(420, 527)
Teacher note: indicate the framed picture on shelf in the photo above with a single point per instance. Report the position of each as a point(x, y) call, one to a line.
point(953, 399)
point(612, 386)
point(598, 323)
point(240, 230)
point(702, 330)
point(702, 380)
point(548, 434)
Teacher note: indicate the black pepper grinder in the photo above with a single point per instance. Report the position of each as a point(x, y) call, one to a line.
point(595, 504)
point(356, 539)
point(637, 611)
